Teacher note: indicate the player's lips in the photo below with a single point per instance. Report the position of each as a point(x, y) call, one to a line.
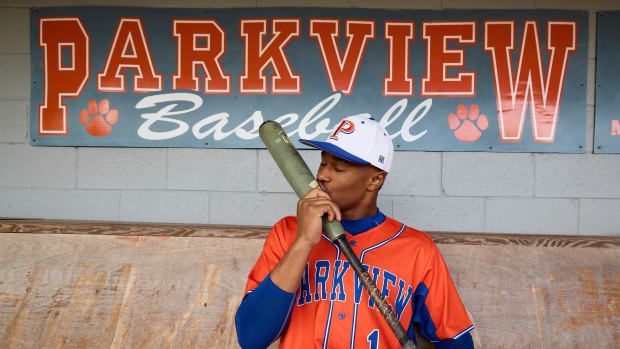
point(322, 187)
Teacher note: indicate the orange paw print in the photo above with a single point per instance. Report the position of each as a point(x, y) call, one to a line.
point(463, 123)
point(98, 118)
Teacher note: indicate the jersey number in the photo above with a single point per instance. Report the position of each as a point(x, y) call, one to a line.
point(373, 339)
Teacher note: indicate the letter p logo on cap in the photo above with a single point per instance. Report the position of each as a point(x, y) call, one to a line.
point(346, 127)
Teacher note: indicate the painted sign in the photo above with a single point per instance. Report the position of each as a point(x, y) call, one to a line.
point(509, 81)
point(607, 120)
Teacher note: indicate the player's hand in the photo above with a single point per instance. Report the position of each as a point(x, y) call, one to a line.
point(310, 209)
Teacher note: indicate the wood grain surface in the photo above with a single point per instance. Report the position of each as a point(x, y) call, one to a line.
point(88, 291)
point(120, 285)
point(253, 232)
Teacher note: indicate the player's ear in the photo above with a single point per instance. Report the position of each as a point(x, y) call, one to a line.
point(377, 180)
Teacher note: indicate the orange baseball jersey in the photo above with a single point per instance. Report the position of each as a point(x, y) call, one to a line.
point(333, 310)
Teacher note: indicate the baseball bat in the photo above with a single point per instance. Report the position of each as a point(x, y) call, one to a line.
point(302, 180)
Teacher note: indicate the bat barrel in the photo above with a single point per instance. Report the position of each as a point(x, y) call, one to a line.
point(287, 158)
point(294, 168)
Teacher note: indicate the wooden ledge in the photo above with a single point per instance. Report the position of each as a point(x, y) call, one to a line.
point(42, 226)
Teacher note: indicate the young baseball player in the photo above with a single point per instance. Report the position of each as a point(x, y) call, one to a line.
point(303, 290)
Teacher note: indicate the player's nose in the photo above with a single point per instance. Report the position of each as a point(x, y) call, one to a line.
point(323, 174)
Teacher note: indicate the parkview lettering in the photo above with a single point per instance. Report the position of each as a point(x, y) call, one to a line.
point(201, 44)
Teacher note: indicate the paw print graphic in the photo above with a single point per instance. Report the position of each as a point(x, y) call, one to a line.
point(98, 119)
point(468, 125)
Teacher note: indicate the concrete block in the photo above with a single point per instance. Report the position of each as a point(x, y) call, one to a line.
point(577, 176)
point(197, 3)
point(75, 204)
point(578, 5)
point(386, 205)
point(14, 30)
point(14, 203)
point(599, 217)
point(135, 3)
point(488, 174)
point(441, 213)
point(589, 146)
point(24, 166)
point(396, 4)
point(212, 169)
point(385, 4)
point(13, 115)
point(15, 72)
point(488, 4)
point(271, 179)
point(121, 168)
point(164, 206)
point(301, 3)
point(414, 173)
point(590, 88)
point(263, 209)
point(250, 208)
point(532, 216)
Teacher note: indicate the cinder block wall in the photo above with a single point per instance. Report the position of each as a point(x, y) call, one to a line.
point(438, 191)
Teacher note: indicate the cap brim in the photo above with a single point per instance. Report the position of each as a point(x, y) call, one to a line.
point(333, 149)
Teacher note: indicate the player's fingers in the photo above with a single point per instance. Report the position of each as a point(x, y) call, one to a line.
point(315, 201)
point(334, 210)
point(331, 209)
point(309, 199)
point(338, 213)
point(320, 205)
point(330, 213)
point(321, 193)
point(313, 193)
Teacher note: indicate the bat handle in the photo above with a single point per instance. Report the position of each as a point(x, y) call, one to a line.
point(375, 294)
point(332, 229)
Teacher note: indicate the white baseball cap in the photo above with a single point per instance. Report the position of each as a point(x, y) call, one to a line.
point(359, 139)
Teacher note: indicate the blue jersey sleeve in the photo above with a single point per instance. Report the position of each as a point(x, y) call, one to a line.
point(463, 342)
point(263, 315)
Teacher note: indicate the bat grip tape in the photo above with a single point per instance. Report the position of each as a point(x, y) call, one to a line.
point(375, 294)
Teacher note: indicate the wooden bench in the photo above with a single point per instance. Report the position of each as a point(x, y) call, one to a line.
point(121, 285)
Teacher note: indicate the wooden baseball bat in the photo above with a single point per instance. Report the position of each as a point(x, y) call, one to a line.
point(302, 180)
